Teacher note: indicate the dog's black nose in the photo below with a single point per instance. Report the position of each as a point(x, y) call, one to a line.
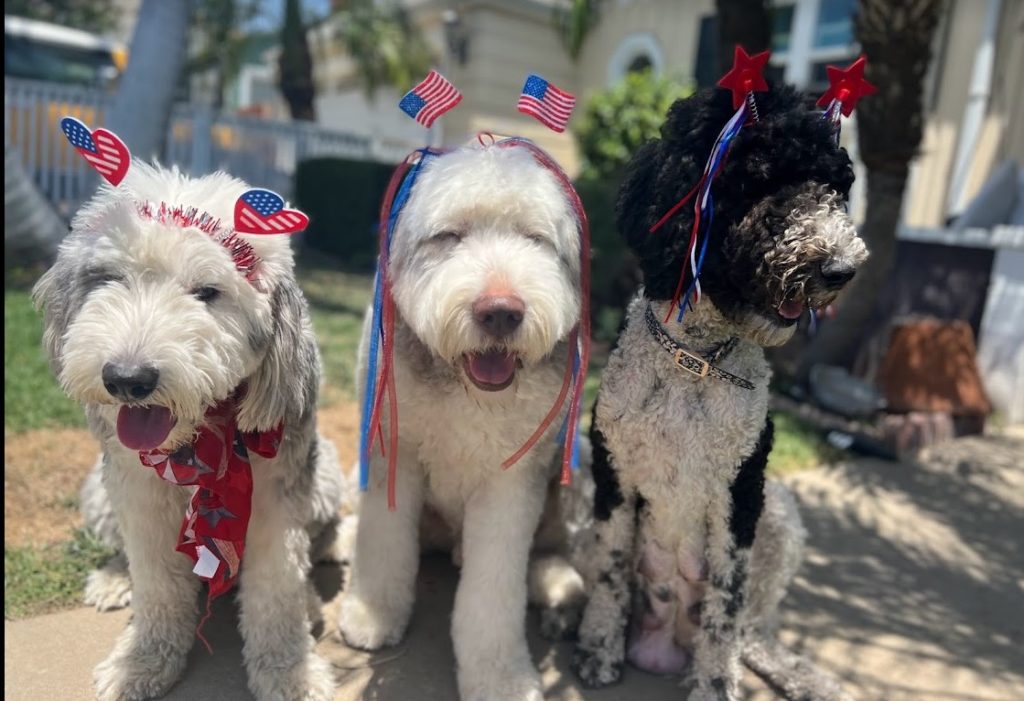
point(130, 382)
point(837, 273)
point(499, 316)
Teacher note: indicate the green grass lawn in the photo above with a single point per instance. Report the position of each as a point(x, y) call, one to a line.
point(40, 579)
point(32, 398)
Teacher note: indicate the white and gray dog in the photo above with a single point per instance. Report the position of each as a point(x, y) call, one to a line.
point(485, 263)
point(150, 322)
point(688, 531)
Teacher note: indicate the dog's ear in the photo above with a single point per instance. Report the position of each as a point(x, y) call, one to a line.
point(54, 293)
point(284, 386)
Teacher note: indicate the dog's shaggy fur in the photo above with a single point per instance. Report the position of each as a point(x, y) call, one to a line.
point(679, 460)
point(480, 224)
point(129, 289)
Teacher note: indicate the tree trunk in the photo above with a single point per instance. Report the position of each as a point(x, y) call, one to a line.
point(839, 340)
point(142, 107)
point(296, 65)
point(744, 22)
point(897, 40)
point(32, 229)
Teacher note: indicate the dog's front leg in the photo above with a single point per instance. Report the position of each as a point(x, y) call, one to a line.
point(273, 612)
point(733, 513)
point(150, 654)
point(601, 650)
point(489, 623)
point(378, 603)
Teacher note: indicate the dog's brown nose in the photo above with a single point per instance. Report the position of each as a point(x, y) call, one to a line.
point(499, 315)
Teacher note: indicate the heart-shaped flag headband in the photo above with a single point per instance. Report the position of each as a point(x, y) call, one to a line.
point(257, 211)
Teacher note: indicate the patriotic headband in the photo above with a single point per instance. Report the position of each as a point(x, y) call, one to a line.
point(257, 211)
point(744, 79)
point(380, 381)
point(540, 99)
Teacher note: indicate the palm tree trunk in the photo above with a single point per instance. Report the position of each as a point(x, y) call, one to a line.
point(32, 229)
point(295, 65)
point(897, 39)
point(142, 108)
point(839, 341)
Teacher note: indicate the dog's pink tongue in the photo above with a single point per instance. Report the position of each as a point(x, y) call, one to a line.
point(144, 427)
point(792, 309)
point(493, 368)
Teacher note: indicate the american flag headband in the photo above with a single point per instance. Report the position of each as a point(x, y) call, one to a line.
point(745, 78)
point(425, 103)
point(257, 211)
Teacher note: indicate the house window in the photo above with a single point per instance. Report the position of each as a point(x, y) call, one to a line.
point(834, 26)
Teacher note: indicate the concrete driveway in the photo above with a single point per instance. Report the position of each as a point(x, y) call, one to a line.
point(912, 590)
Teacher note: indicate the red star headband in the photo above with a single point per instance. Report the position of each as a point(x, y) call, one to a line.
point(745, 78)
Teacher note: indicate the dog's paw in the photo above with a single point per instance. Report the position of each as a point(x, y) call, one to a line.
point(310, 680)
point(108, 588)
point(596, 668)
point(717, 692)
point(560, 622)
point(137, 674)
point(489, 684)
point(369, 628)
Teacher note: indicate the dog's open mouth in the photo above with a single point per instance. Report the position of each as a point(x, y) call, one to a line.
point(144, 427)
point(791, 310)
point(491, 371)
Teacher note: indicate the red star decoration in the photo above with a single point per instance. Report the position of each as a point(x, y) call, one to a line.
point(847, 86)
point(745, 76)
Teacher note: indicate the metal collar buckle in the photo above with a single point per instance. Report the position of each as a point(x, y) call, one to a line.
point(705, 366)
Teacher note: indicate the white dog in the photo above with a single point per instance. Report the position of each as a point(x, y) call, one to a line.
point(151, 320)
point(485, 265)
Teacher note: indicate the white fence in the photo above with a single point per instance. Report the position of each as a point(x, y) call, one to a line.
point(262, 153)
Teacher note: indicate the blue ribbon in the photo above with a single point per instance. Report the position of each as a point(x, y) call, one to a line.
point(376, 324)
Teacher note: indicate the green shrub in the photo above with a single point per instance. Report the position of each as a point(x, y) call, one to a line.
point(613, 271)
point(616, 122)
point(342, 198)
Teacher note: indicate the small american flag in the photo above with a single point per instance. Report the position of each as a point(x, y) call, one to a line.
point(551, 106)
point(430, 99)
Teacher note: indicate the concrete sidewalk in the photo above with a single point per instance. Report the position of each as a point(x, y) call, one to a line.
point(912, 590)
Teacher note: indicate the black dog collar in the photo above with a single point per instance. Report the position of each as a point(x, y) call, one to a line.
point(691, 362)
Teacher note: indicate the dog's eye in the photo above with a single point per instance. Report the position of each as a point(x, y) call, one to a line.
point(447, 236)
point(95, 278)
point(206, 294)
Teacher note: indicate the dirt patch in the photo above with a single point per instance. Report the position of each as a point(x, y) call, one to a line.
point(340, 423)
point(44, 469)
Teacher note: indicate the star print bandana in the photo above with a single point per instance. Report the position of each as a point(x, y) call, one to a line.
point(217, 464)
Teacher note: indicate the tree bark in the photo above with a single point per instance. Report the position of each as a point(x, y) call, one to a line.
point(142, 107)
point(295, 66)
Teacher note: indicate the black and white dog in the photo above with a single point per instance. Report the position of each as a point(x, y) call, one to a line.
point(681, 432)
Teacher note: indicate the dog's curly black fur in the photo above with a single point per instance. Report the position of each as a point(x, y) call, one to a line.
point(769, 163)
point(779, 243)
